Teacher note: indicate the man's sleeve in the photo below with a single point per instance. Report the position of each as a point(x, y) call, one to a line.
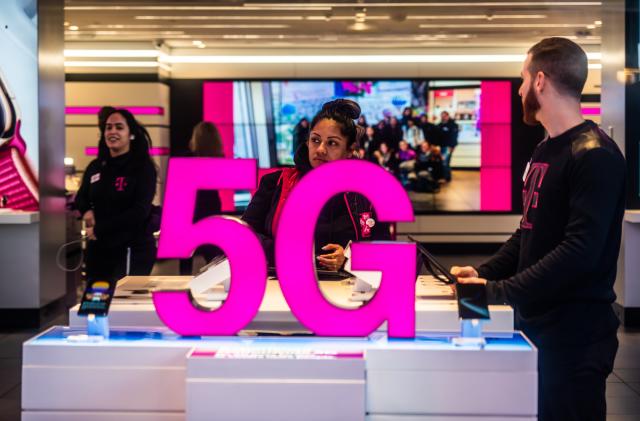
point(505, 262)
point(596, 183)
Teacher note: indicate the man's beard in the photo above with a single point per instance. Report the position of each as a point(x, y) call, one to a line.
point(530, 107)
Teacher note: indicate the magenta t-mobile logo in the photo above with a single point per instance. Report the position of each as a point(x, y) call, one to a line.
point(121, 183)
point(530, 193)
point(393, 303)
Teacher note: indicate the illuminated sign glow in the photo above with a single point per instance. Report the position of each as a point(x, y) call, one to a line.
point(393, 303)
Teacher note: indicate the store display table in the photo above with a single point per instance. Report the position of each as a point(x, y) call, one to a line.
point(156, 375)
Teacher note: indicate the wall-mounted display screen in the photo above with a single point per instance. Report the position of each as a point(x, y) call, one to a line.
point(19, 106)
point(447, 141)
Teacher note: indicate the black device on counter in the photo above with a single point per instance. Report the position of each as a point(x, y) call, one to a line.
point(433, 266)
point(97, 298)
point(472, 298)
point(472, 301)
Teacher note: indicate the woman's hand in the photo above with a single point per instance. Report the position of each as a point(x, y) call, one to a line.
point(89, 218)
point(334, 259)
point(89, 222)
point(89, 232)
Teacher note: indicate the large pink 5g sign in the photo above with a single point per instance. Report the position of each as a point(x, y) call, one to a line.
point(393, 303)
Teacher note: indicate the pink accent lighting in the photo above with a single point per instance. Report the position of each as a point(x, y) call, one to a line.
point(179, 237)
point(495, 126)
point(395, 300)
point(217, 102)
point(133, 110)
point(591, 110)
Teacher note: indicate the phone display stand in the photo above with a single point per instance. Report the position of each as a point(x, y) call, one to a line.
point(98, 326)
point(470, 334)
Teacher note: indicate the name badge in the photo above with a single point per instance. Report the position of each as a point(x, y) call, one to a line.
point(95, 177)
point(366, 223)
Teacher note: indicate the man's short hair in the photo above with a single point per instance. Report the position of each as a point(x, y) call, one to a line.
point(563, 62)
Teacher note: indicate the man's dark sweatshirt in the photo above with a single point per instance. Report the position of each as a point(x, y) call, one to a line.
point(119, 191)
point(559, 267)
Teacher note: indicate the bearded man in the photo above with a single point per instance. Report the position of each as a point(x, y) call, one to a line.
point(559, 267)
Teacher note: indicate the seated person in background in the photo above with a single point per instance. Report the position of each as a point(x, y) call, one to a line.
point(346, 217)
point(386, 158)
point(427, 169)
point(407, 160)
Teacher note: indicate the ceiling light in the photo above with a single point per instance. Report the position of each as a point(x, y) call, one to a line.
point(369, 17)
point(503, 25)
point(598, 22)
point(73, 28)
point(282, 6)
point(66, 24)
point(111, 64)
point(591, 27)
point(437, 58)
point(111, 53)
point(218, 17)
point(279, 59)
point(443, 4)
point(193, 26)
point(493, 17)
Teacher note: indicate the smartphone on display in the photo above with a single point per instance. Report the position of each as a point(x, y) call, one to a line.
point(472, 301)
point(96, 298)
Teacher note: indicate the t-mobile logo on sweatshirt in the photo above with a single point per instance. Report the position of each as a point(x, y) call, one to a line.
point(530, 193)
point(121, 183)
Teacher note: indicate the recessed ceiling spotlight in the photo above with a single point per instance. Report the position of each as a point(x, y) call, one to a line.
point(359, 26)
point(598, 22)
point(591, 27)
point(196, 42)
point(73, 28)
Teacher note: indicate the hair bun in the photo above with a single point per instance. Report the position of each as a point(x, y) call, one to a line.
point(346, 107)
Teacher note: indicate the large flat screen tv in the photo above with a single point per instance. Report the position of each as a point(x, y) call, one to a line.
point(261, 119)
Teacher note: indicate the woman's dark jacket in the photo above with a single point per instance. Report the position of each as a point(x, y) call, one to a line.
point(337, 223)
point(120, 191)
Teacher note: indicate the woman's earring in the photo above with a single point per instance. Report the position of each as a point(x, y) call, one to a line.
point(132, 137)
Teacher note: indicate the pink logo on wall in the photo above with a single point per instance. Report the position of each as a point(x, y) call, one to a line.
point(394, 302)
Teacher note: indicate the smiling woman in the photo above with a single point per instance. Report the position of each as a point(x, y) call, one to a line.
point(115, 201)
point(334, 135)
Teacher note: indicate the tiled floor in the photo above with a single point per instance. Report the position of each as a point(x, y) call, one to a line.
point(623, 387)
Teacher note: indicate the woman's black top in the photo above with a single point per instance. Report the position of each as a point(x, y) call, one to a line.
point(120, 191)
point(338, 222)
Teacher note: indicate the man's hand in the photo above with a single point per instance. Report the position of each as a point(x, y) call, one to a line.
point(473, 280)
point(464, 272)
point(469, 280)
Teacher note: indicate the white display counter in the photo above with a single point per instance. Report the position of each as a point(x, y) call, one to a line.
point(156, 375)
point(436, 307)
